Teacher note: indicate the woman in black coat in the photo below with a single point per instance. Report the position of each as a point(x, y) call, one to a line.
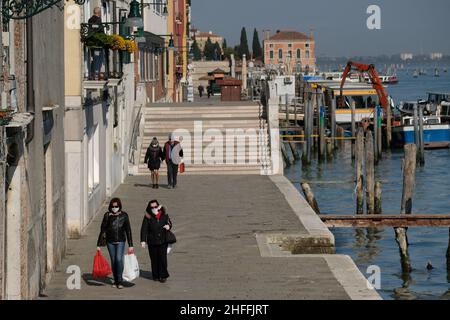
point(154, 229)
point(115, 229)
point(153, 158)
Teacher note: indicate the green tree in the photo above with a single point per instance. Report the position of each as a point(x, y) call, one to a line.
point(227, 52)
point(209, 50)
point(224, 45)
point(257, 49)
point(243, 47)
point(217, 51)
point(196, 51)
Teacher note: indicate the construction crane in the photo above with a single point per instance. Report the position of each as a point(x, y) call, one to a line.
point(374, 80)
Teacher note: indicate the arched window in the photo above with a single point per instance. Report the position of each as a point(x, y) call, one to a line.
point(307, 54)
point(299, 54)
point(280, 54)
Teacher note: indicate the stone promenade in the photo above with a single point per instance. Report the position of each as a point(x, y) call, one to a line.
point(216, 220)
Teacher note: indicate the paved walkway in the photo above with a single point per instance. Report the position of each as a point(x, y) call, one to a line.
point(217, 255)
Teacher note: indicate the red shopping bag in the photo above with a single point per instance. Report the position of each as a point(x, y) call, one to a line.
point(101, 267)
point(182, 169)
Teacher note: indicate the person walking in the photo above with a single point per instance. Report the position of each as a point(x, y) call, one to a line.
point(153, 159)
point(201, 89)
point(209, 89)
point(172, 154)
point(154, 229)
point(115, 229)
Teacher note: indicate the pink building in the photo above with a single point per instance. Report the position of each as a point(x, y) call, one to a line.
point(292, 49)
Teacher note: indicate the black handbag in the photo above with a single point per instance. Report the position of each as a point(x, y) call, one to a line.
point(170, 237)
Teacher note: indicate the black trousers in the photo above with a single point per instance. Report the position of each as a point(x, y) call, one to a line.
point(158, 258)
point(172, 172)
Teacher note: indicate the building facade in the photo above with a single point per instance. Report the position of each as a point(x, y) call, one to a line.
point(202, 38)
point(291, 49)
point(32, 213)
point(99, 117)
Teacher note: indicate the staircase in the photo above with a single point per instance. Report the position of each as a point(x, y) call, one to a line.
point(216, 139)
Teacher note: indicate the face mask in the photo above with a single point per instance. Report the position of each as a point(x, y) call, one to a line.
point(115, 210)
point(156, 210)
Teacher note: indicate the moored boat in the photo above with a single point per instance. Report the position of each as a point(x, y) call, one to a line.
point(435, 134)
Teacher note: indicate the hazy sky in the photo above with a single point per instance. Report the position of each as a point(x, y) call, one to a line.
point(339, 25)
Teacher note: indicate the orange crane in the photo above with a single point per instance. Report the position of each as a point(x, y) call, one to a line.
point(374, 79)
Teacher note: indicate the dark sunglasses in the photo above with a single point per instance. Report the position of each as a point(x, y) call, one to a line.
point(115, 207)
point(154, 207)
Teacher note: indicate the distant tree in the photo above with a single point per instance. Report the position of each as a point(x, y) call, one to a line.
point(217, 51)
point(196, 51)
point(224, 45)
point(243, 47)
point(257, 50)
point(227, 52)
point(208, 52)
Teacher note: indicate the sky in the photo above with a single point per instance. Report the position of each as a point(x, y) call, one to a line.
point(340, 26)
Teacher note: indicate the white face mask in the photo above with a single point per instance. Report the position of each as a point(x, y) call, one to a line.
point(115, 210)
point(155, 211)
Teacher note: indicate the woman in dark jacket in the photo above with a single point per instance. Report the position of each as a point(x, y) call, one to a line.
point(153, 233)
point(114, 231)
point(153, 158)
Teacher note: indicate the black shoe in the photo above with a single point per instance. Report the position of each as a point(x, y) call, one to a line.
point(154, 186)
point(157, 186)
point(155, 279)
point(162, 280)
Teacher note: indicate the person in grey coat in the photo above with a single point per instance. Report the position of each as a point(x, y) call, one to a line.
point(173, 153)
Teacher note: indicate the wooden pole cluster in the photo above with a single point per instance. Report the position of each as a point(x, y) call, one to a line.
point(365, 158)
point(287, 159)
point(409, 177)
point(321, 131)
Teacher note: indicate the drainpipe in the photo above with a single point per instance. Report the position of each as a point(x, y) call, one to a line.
point(30, 78)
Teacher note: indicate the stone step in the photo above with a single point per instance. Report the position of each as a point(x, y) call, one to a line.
point(229, 109)
point(254, 121)
point(193, 173)
point(190, 115)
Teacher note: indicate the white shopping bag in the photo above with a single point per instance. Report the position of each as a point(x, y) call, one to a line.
point(131, 268)
point(169, 248)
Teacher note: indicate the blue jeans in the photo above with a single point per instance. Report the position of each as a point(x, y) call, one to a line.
point(97, 62)
point(116, 252)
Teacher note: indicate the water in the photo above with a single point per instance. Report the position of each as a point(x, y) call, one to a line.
point(335, 195)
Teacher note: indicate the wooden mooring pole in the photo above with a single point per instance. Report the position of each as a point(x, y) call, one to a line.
point(359, 172)
point(353, 128)
point(333, 123)
point(421, 138)
point(321, 131)
point(379, 145)
point(378, 204)
point(409, 176)
point(370, 173)
point(388, 126)
point(375, 134)
point(287, 159)
point(448, 251)
point(310, 198)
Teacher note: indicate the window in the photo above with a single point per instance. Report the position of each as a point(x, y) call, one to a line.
point(158, 6)
point(290, 45)
point(289, 54)
point(271, 54)
point(93, 160)
point(307, 54)
point(280, 54)
point(299, 54)
point(271, 45)
point(306, 45)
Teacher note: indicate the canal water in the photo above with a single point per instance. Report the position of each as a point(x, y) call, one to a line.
point(333, 185)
